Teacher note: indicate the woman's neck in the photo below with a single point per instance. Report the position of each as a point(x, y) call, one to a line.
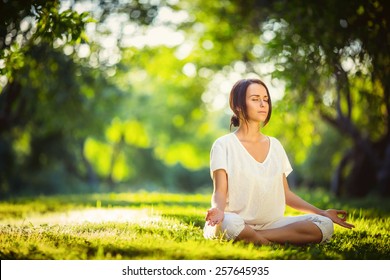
point(250, 132)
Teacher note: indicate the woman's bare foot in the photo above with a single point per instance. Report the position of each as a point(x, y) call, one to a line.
point(251, 236)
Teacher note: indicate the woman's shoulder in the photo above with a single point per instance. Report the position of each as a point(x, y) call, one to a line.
point(223, 140)
point(274, 141)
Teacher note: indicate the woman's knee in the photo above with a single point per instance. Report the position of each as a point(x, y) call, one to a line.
point(229, 229)
point(326, 226)
point(232, 225)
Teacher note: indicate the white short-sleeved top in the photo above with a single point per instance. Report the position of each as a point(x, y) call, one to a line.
point(255, 190)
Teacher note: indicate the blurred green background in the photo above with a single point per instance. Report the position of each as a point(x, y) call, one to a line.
point(122, 95)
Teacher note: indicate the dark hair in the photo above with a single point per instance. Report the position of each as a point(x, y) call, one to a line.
point(237, 100)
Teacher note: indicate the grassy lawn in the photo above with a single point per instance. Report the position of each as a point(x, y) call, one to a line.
point(164, 226)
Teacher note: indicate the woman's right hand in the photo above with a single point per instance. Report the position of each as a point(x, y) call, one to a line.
point(214, 216)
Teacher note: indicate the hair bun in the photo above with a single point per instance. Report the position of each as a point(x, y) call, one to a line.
point(234, 121)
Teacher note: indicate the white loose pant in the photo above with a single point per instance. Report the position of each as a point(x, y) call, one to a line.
point(233, 224)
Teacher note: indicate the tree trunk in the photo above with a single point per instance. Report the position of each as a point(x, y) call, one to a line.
point(383, 174)
point(366, 159)
point(114, 156)
point(356, 174)
point(92, 179)
point(338, 178)
point(362, 177)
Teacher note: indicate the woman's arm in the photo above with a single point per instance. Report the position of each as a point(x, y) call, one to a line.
point(218, 200)
point(337, 216)
point(297, 202)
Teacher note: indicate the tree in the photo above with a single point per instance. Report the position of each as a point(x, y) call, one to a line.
point(334, 59)
point(67, 118)
point(338, 53)
point(49, 102)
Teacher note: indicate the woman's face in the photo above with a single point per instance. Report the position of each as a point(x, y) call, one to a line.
point(257, 103)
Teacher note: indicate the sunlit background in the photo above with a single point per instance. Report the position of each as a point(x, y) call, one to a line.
point(124, 95)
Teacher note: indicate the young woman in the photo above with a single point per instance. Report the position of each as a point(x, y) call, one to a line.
point(249, 171)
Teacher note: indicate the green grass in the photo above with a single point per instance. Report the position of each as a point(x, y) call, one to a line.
point(168, 226)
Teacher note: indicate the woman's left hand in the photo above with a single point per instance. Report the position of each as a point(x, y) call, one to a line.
point(338, 216)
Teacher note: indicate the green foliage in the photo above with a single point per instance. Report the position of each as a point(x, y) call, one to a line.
point(88, 114)
point(69, 120)
point(168, 105)
point(51, 116)
point(332, 58)
point(44, 113)
point(30, 23)
point(159, 226)
point(328, 55)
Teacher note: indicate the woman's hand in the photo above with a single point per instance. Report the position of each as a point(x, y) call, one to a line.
point(338, 216)
point(214, 216)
